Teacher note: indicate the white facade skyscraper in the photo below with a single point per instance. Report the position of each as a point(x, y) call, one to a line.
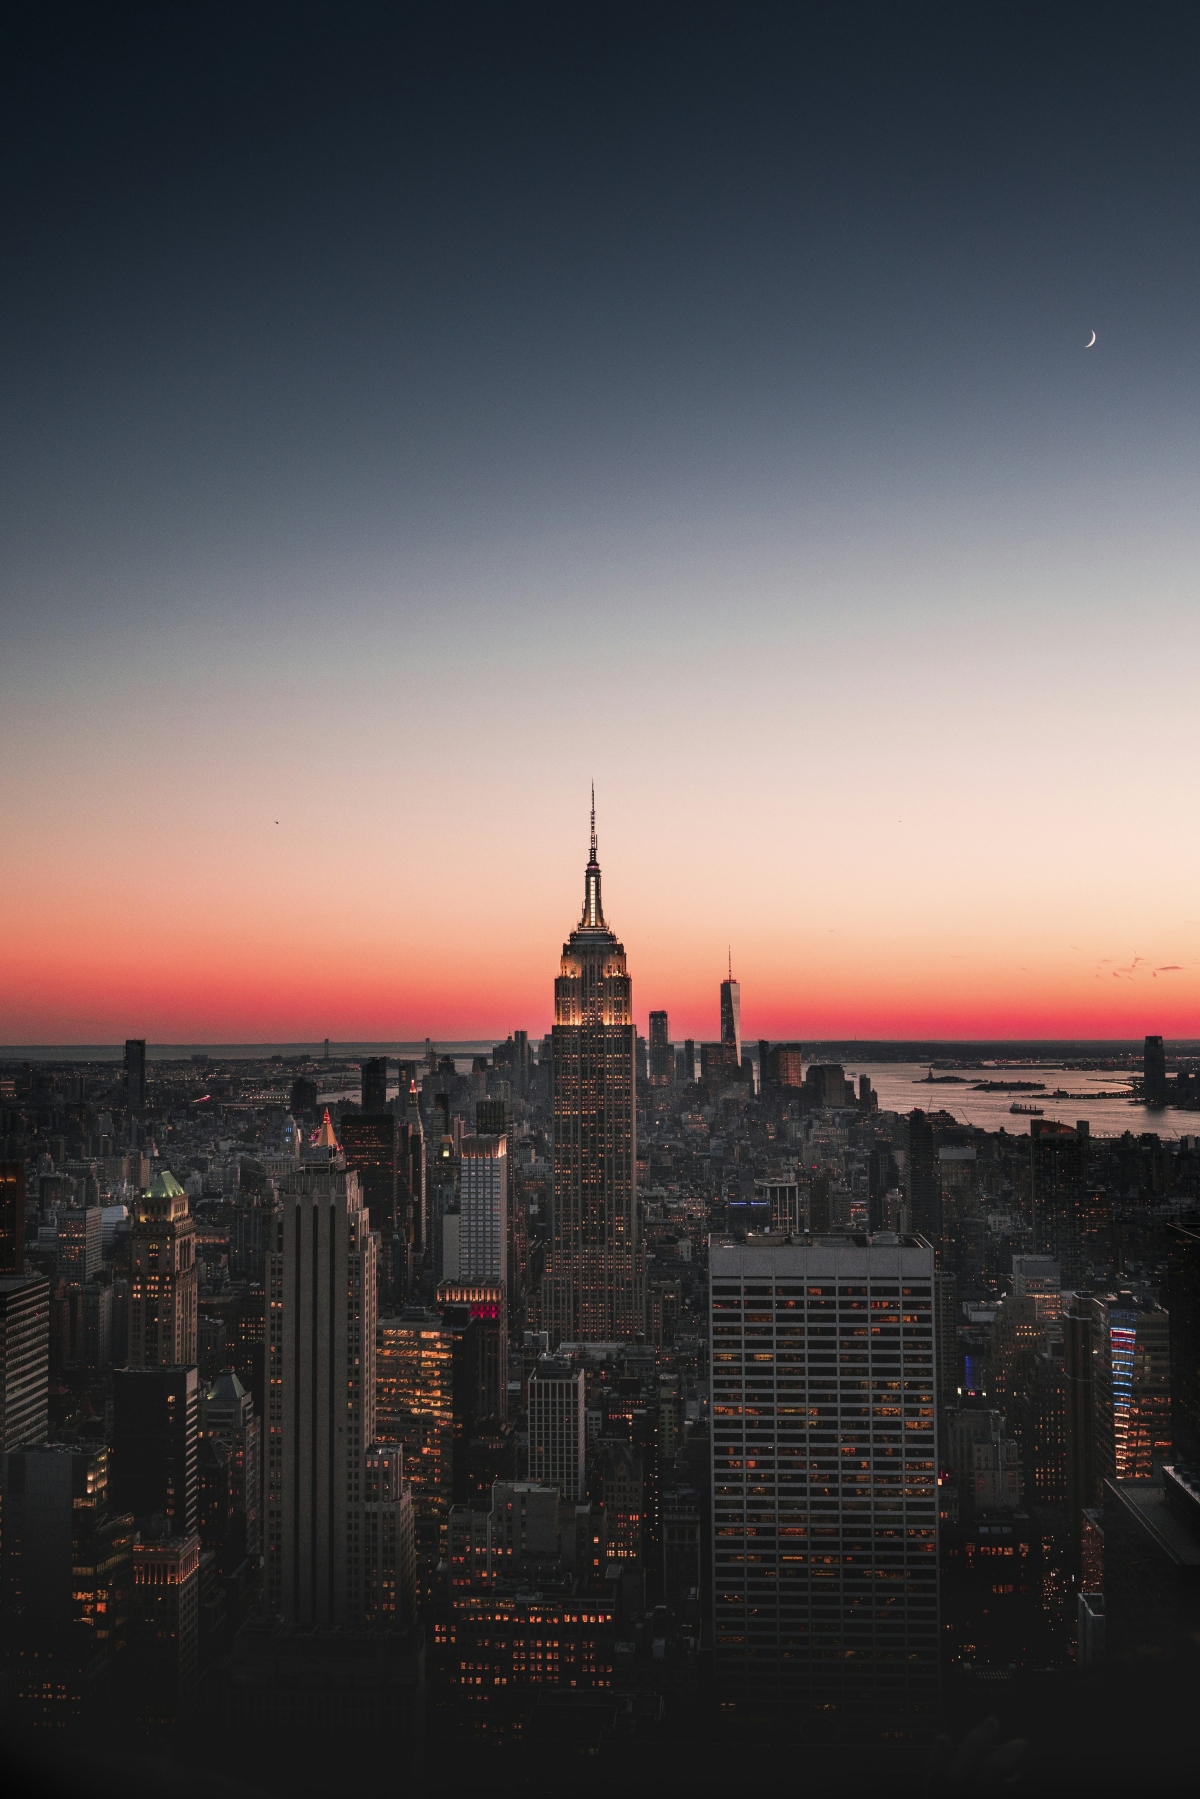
point(483, 1210)
point(824, 1470)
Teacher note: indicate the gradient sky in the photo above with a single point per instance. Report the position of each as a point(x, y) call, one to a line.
point(412, 413)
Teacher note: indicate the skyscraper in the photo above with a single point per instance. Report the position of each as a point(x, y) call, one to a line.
point(593, 1285)
point(1183, 1304)
point(24, 1361)
point(12, 1218)
point(411, 1162)
point(135, 1076)
point(371, 1146)
point(388, 1546)
point(415, 1399)
point(227, 1416)
point(483, 1209)
point(558, 1427)
point(163, 1290)
point(321, 1310)
point(79, 1244)
point(46, 1493)
point(484, 1301)
point(1132, 1386)
point(493, 1118)
point(1080, 1417)
point(662, 1061)
point(731, 1022)
point(156, 1415)
point(924, 1177)
point(824, 1470)
point(882, 1176)
point(1154, 1073)
point(374, 1084)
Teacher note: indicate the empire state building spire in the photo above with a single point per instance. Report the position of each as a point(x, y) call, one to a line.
point(593, 1288)
point(593, 911)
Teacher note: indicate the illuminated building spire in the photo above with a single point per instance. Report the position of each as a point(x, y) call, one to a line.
point(593, 1280)
point(593, 911)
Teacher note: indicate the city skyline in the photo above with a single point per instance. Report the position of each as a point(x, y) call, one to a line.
point(788, 996)
point(459, 1333)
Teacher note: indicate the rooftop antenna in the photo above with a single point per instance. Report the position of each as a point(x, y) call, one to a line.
point(731, 961)
point(593, 821)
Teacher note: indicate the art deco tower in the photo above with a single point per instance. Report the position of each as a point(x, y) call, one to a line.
point(163, 1294)
point(593, 1287)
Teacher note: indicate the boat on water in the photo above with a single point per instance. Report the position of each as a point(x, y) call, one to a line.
point(1027, 1111)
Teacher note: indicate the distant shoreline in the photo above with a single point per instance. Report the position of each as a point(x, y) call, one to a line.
point(968, 1053)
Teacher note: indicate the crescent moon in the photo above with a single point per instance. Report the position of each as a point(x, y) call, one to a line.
point(1091, 340)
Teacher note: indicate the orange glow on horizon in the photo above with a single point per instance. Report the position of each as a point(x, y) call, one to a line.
point(260, 991)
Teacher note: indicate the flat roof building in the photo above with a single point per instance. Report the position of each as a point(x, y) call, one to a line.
point(824, 1480)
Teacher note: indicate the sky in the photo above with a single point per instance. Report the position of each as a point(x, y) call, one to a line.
point(412, 414)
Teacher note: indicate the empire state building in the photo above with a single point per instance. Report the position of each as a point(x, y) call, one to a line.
point(593, 1285)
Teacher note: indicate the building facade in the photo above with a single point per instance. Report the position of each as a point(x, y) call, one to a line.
point(558, 1427)
point(414, 1383)
point(135, 1076)
point(371, 1147)
point(163, 1291)
point(483, 1210)
point(593, 1288)
point(1131, 1385)
point(824, 1478)
point(731, 1023)
point(321, 1276)
point(662, 1056)
point(156, 1416)
point(12, 1219)
point(24, 1361)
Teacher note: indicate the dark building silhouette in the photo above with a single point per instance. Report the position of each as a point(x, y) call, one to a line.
point(1152, 1567)
point(825, 1084)
point(662, 1059)
point(925, 1180)
point(1183, 1303)
point(24, 1360)
point(1154, 1077)
point(371, 1146)
point(1080, 1418)
point(412, 1172)
point(12, 1218)
point(135, 1076)
point(780, 1064)
point(731, 1023)
point(156, 1415)
point(882, 1176)
point(374, 1084)
point(1058, 1173)
point(304, 1096)
point(64, 1560)
point(321, 1366)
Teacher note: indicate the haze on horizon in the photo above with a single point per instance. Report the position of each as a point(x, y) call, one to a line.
point(413, 416)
